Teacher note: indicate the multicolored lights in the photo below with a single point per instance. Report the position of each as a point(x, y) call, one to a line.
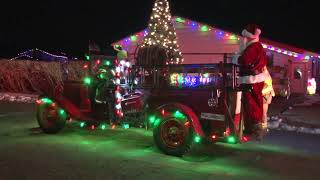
point(102, 126)
point(180, 80)
point(120, 70)
point(220, 34)
point(45, 101)
point(286, 52)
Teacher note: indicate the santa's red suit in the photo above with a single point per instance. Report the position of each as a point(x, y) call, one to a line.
point(252, 60)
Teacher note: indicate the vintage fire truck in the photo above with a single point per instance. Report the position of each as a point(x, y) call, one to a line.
point(182, 104)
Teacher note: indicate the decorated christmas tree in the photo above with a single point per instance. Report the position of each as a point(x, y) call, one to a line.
point(161, 33)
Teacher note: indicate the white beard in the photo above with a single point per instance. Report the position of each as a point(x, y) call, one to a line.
point(244, 43)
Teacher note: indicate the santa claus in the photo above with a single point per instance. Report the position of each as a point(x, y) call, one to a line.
point(252, 76)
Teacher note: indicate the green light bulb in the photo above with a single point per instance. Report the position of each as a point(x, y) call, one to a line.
point(87, 57)
point(126, 126)
point(47, 100)
point(231, 139)
point(204, 28)
point(180, 20)
point(107, 63)
point(61, 112)
point(82, 124)
point(103, 127)
point(233, 37)
point(133, 38)
point(87, 81)
point(101, 76)
point(197, 139)
point(178, 115)
point(152, 119)
point(157, 122)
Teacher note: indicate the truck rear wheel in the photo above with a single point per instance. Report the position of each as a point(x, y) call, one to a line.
point(173, 136)
point(51, 118)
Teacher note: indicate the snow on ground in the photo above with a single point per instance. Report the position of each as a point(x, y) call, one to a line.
point(275, 122)
point(309, 101)
point(25, 98)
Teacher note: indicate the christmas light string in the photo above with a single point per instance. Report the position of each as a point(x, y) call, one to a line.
point(36, 49)
point(222, 34)
point(162, 32)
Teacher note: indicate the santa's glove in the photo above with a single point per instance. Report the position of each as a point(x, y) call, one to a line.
point(235, 59)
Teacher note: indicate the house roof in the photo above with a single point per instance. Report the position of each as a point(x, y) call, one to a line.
point(277, 47)
point(37, 54)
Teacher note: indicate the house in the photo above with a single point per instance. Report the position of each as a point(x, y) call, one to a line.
point(40, 55)
point(201, 43)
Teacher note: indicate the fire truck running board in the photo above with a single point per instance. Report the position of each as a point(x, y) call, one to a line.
point(215, 117)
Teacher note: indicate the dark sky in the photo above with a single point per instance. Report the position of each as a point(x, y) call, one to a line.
point(68, 25)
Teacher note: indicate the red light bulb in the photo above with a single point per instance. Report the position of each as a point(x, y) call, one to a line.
point(38, 101)
point(245, 138)
point(163, 112)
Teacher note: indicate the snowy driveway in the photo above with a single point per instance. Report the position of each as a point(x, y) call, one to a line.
point(26, 153)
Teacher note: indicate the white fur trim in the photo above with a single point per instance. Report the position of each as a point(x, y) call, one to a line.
point(253, 41)
point(238, 103)
point(243, 44)
point(256, 34)
point(254, 79)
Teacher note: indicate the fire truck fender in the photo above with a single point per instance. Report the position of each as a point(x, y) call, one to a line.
point(191, 115)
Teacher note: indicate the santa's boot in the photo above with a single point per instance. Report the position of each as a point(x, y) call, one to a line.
point(258, 132)
point(236, 121)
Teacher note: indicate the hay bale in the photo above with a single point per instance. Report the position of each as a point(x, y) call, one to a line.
point(152, 56)
point(35, 77)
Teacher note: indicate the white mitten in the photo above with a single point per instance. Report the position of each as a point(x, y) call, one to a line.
point(235, 59)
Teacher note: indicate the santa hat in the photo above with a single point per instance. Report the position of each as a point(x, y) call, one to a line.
point(251, 31)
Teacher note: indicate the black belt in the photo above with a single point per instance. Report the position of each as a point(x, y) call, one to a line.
point(251, 73)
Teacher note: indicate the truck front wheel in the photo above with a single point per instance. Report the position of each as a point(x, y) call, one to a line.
point(51, 118)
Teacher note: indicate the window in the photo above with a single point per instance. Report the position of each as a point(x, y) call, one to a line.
point(297, 73)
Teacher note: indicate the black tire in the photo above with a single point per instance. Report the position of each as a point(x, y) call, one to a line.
point(50, 118)
point(166, 144)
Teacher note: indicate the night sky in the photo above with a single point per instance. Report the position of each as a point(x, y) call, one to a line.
point(67, 26)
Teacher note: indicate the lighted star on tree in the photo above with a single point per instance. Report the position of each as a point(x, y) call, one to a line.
point(161, 32)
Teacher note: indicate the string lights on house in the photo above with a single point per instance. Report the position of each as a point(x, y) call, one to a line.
point(203, 28)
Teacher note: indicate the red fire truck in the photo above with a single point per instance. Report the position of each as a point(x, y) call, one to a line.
point(182, 104)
